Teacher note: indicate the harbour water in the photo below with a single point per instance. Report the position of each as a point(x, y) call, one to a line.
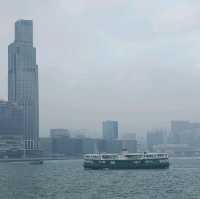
point(68, 180)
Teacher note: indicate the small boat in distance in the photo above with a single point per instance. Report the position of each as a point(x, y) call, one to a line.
point(36, 162)
point(126, 161)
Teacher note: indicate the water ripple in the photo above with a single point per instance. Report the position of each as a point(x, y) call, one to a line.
point(68, 180)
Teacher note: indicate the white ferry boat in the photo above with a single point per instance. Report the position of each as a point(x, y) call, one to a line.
point(126, 161)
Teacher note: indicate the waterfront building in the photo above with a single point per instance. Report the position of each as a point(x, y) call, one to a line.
point(154, 137)
point(178, 150)
point(130, 145)
point(65, 146)
point(59, 133)
point(45, 146)
point(113, 146)
point(23, 80)
point(185, 132)
point(177, 128)
point(72, 146)
point(11, 130)
point(89, 145)
point(100, 146)
point(110, 130)
point(129, 136)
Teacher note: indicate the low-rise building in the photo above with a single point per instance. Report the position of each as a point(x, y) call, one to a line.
point(154, 137)
point(11, 130)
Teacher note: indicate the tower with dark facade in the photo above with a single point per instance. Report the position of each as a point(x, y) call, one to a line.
point(110, 130)
point(23, 80)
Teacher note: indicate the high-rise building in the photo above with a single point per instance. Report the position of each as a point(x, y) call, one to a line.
point(23, 80)
point(11, 130)
point(110, 130)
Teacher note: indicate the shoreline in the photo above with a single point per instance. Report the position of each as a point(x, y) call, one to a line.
point(36, 159)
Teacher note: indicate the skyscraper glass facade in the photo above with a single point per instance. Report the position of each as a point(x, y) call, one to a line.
point(23, 80)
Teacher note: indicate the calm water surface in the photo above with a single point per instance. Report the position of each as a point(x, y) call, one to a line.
point(68, 180)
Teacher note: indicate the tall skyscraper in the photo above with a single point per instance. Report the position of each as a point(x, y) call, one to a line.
point(23, 80)
point(110, 130)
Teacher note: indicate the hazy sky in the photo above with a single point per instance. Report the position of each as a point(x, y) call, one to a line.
point(135, 61)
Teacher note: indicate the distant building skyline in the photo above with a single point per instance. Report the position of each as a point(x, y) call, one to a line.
point(185, 132)
point(23, 36)
point(99, 66)
point(155, 137)
point(23, 79)
point(129, 136)
point(110, 130)
point(59, 132)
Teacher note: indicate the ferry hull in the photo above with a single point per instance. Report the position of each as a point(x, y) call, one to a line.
point(126, 164)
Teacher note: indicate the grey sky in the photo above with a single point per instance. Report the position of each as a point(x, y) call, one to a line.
point(135, 61)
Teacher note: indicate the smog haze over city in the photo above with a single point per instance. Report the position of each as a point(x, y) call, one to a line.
point(99, 99)
point(133, 61)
